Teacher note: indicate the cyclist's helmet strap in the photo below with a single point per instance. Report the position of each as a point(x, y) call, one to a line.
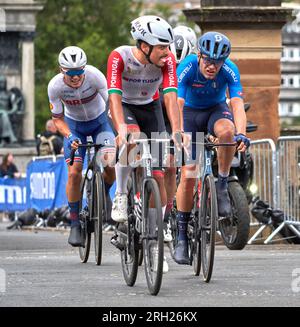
point(214, 45)
point(147, 55)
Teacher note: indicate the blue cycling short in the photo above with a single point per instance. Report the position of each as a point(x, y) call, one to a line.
point(203, 120)
point(100, 131)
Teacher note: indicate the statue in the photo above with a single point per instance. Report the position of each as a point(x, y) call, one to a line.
point(11, 111)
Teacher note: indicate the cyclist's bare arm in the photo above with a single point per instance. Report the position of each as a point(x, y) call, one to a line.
point(61, 126)
point(239, 115)
point(116, 111)
point(170, 99)
point(180, 102)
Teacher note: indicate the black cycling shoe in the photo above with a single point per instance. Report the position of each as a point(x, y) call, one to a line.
point(224, 205)
point(75, 238)
point(181, 253)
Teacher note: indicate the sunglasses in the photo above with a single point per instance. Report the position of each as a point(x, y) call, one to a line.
point(74, 72)
point(208, 61)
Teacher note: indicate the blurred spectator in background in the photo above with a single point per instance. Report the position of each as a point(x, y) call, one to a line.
point(49, 142)
point(8, 168)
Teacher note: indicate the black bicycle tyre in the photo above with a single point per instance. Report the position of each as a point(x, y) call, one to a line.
point(99, 212)
point(84, 252)
point(209, 207)
point(195, 250)
point(238, 238)
point(130, 255)
point(141, 256)
point(154, 279)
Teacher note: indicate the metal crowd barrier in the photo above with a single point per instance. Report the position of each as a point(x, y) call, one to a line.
point(277, 177)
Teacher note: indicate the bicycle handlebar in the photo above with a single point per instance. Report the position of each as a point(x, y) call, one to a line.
point(87, 145)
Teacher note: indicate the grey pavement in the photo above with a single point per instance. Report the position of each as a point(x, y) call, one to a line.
point(40, 269)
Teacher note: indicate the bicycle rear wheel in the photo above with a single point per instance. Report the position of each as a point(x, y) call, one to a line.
point(208, 216)
point(129, 241)
point(85, 209)
point(99, 212)
point(153, 240)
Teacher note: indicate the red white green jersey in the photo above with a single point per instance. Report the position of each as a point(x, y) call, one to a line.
point(138, 83)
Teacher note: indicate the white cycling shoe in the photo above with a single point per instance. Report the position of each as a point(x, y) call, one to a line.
point(167, 232)
point(119, 208)
point(155, 258)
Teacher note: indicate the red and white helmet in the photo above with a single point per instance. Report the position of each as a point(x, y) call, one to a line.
point(152, 30)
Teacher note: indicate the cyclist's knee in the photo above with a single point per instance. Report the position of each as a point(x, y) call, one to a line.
point(74, 174)
point(186, 185)
point(108, 159)
point(225, 131)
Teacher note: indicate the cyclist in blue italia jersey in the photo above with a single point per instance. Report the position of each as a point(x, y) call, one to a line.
point(203, 80)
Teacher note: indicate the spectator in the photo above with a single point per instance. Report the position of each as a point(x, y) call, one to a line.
point(8, 168)
point(50, 141)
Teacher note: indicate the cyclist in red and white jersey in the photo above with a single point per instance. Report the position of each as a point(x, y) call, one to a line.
point(134, 74)
point(78, 96)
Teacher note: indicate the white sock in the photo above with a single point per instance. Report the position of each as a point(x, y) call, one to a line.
point(122, 175)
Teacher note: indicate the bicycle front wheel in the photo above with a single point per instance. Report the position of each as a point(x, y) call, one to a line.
point(153, 241)
point(85, 210)
point(208, 216)
point(129, 240)
point(99, 212)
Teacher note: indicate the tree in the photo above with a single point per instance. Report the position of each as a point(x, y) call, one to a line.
point(96, 26)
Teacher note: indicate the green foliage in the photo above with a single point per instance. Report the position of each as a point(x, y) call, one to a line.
point(96, 26)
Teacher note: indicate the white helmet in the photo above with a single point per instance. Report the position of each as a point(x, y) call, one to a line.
point(72, 57)
point(152, 30)
point(180, 48)
point(188, 34)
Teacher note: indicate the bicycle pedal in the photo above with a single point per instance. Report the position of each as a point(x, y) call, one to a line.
point(114, 241)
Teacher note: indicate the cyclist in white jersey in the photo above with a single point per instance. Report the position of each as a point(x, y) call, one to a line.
point(78, 96)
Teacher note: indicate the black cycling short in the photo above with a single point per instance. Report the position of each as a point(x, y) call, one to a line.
point(148, 117)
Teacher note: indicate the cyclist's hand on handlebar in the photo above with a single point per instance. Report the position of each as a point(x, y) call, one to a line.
point(121, 139)
point(181, 139)
point(243, 142)
point(73, 141)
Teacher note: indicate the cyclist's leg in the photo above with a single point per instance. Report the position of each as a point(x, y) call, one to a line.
point(123, 170)
point(170, 173)
point(104, 135)
point(73, 183)
point(194, 121)
point(221, 125)
point(151, 122)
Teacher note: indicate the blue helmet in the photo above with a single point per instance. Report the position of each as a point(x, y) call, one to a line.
point(215, 45)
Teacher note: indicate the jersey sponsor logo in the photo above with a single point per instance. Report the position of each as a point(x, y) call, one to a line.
point(171, 72)
point(240, 93)
point(114, 75)
point(132, 62)
point(139, 80)
point(77, 102)
point(86, 89)
point(184, 72)
point(132, 72)
point(231, 73)
point(197, 85)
